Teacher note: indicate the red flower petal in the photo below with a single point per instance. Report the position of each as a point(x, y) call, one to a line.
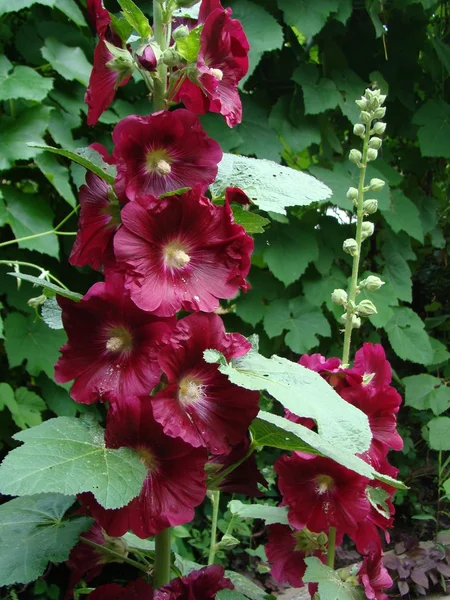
point(202, 585)
point(135, 590)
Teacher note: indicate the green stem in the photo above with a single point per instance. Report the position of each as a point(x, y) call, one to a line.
point(161, 573)
point(356, 259)
point(33, 266)
point(160, 82)
point(215, 499)
point(331, 547)
point(112, 553)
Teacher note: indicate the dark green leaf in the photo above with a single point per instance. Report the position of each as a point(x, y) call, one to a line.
point(418, 389)
point(135, 17)
point(58, 175)
point(25, 83)
point(47, 285)
point(189, 46)
point(259, 139)
point(319, 93)
point(439, 438)
point(407, 336)
point(245, 586)
point(251, 221)
point(330, 583)
point(308, 16)
point(269, 514)
point(434, 131)
point(71, 63)
point(403, 215)
point(295, 136)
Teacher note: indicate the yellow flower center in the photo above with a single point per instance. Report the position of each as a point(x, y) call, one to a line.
point(190, 390)
point(324, 483)
point(217, 73)
point(120, 339)
point(175, 255)
point(158, 161)
point(147, 458)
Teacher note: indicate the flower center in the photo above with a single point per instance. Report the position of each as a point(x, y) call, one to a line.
point(367, 378)
point(158, 161)
point(217, 73)
point(120, 339)
point(147, 458)
point(324, 483)
point(175, 255)
point(190, 390)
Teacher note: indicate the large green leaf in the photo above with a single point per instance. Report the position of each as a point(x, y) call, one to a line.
point(303, 392)
point(270, 186)
point(418, 390)
point(434, 131)
point(71, 63)
point(439, 438)
point(308, 16)
point(258, 137)
point(251, 307)
point(29, 126)
point(58, 175)
point(295, 133)
point(319, 93)
point(25, 83)
point(28, 215)
point(403, 215)
point(331, 585)
point(68, 7)
point(407, 336)
point(33, 533)
point(269, 514)
point(69, 456)
point(28, 338)
point(397, 272)
point(135, 17)
point(25, 406)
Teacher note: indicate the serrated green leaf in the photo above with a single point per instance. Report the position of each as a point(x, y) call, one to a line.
point(245, 586)
point(377, 497)
point(25, 83)
point(189, 46)
point(434, 131)
point(29, 407)
point(319, 93)
point(135, 17)
point(443, 52)
point(215, 126)
point(251, 307)
point(71, 10)
point(397, 272)
point(439, 438)
point(121, 27)
point(134, 541)
point(289, 250)
point(251, 221)
point(33, 533)
point(51, 314)
point(68, 456)
point(16, 5)
point(331, 585)
point(418, 389)
point(86, 157)
point(258, 138)
point(28, 215)
point(58, 175)
point(48, 286)
point(403, 215)
point(7, 399)
point(268, 514)
point(270, 186)
point(29, 126)
point(71, 63)
point(230, 595)
point(308, 16)
point(296, 134)
point(28, 338)
point(407, 336)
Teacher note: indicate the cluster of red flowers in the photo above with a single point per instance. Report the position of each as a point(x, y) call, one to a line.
point(321, 493)
point(163, 247)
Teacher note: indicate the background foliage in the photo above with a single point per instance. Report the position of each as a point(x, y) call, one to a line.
point(309, 61)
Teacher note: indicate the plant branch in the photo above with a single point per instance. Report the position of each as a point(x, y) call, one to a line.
point(161, 572)
point(109, 552)
point(21, 263)
point(215, 499)
point(331, 547)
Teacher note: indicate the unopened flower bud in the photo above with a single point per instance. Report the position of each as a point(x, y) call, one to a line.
point(359, 129)
point(367, 229)
point(35, 302)
point(371, 154)
point(121, 62)
point(365, 117)
point(355, 156)
point(370, 206)
point(362, 103)
point(376, 185)
point(382, 98)
point(375, 142)
point(171, 58)
point(322, 538)
point(372, 283)
point(180, 32)
point(366, 308)
point(356, 321)
point(350, 246)
point(379, 128)
point(147, 59)
point(379, 113)
point(352, 193)
point(339, 297)
point(228, 542)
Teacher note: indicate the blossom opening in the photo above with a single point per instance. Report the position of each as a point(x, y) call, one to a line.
point(175, 256)
point(147, 458)
point(324, 483)
point(158, 161)
point(191, 390)
point(217, 73)
point(120, 339)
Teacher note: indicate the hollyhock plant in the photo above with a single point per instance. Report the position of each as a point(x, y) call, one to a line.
point(222, 62)
point(162, 153)
point(287, 549)
point(175, 482)
point(200, 404)
point(135, 590)
point(374, 576)
point(371, 363)
point(99, 219)
point(321, 493)
point(184, 254)
point(198, 585)
point(112, 345)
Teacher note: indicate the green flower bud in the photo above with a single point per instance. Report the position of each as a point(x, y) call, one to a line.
point(379, 128)
point(171, 58)
point(362, 103)
point(122, 62)
point(365, 117)
point(382, 98)
point(366, 308)
point(350, 246)
point(228, 541)
point(355, 156)
point(370, 206)
point(339, 297)
point(35, 302)
point(367, 230)
point(352, 193)
point(322, 538)
point(359, 129)
point(180, 32)
point(379, 113)
point(376, 185)
point(372, 154)
point(375, 142)
point(356, 321)
point(372, 283)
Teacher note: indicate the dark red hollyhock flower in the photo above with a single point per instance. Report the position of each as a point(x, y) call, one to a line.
point(99, 17)
point(163, 152)
point(222, 62)
point(135, 590)
point(185, 253)
point(374, 576)
point(330, 369)
point(175, 481)
point(321, 493)
point(86, 562)
point(371, 363)
point(200, 404)
point(99, 220)
point(243, 479)
point(112, 345)
point(287, 549)
point(198, 585)
point(234, 194)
